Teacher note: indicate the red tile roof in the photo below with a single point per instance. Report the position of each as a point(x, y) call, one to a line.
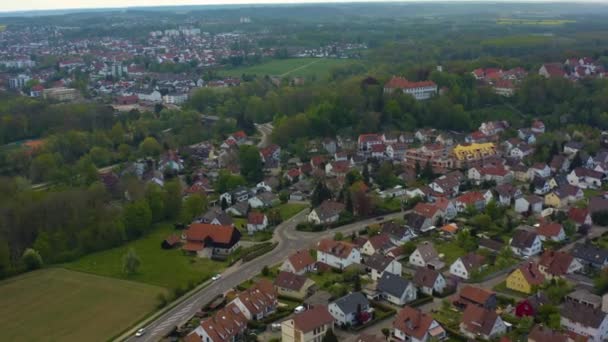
point(339, 249)
point(199, 232)
point(403, 83)
point(300, 260)
point(413, 322)
point(312, 318)
point(550, 229)
point(255, 217)
point(475, 294)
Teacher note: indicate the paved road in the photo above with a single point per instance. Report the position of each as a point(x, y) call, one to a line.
point(289, 240)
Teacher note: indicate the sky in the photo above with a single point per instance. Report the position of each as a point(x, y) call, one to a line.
point(28, 5)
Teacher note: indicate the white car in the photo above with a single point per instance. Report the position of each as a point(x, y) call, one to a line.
point(140, 332)
point(216, 277)
point(299, 309)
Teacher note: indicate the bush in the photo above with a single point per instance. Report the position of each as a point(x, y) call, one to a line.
point(32, 259)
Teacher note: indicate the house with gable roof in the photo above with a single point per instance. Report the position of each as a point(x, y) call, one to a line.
point(396, 289)
point(300, 263)
point(482, 323)
point(208, 240)
point(328, 212)
point(413, 325)
point(425, 255)
point(337, 254)
point(465, 265)
point(429, 281)
point(378, 264)
point(557, 264)
point(258, 301)
point(308, 326)
point(526, 242)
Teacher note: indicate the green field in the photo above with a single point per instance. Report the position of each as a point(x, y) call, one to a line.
point(540, 22)
point(288, 210)
point(166, 268)
point(516, 41)
point(60, 305)
point(304, 67)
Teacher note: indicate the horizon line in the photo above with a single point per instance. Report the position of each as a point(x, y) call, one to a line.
point(264, 3)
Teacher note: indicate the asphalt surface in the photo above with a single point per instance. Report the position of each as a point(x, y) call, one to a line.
point(289, 240)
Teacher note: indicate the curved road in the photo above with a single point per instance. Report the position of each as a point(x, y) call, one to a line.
point(289, 240)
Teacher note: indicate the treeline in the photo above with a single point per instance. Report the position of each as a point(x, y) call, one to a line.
point(65, 224)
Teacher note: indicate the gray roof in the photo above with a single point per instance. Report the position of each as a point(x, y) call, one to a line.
point(378, 262)
point(523, 238)
point(590, 253)
point(392, 284)
point(583, 314)
point(351, 301)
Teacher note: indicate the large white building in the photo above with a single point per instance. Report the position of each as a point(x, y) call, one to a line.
point(419, 90)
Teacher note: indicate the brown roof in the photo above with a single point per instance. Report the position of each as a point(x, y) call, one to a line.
point(425, 277)
point(479, 320)
point(583, 314)
point(427, 251)
point(339, 249)
point(413, 322)
point(523, 238)
point(312, 318)
point(255, 217)
point(202, 231)
point(472, 261)
point(541, 333)
point(290, 281)
point(380, 241)
point(427, 210)
point(549, 229)
point(532, 274)
point(259, 297)
point(172, 239)
point(475, 294)
point(556, 262)
point(300, 260)
point(598, 204)
point(578, 215)
point(226, 324)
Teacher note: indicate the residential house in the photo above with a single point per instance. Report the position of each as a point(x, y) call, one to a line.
point(598, 204)
point(507, 193)
point(396, 289)
point(413, 325)
point(300, 262)
point(541, 333)
point(525, 278)
point(292, 285)
point(590, 256)
point(429, 281)
point(580, 216)
point(530, 203)
point(239, 209)
point(559, 163)
point(584, 297)
point(553, 231)
point(377, 244)
point(541, 170)
point(573, 147)
point(425, 255)
point(418, 223)
point(352, 309)
point(399, 234)
point(337, 254)
point(430, 212)
point(227, 324)
point(422, 90)
point(270, 153)
point(328, 212)
point(491, 245)
point(217, 216)
point(476, 296)
point(542, 186)
point(258, 301)
point(526, 243)
point(466, 265)
point(378, 264)
point(476, 199)
point(366, 141)
point(497, 174)
point(478, 322)
point(256, 221)
point(208, 240)
point(308, 326)
point(263, 200)
point(584, 320)
point(563, 196)
point(558, 264)
point(530, 306)
point(585, 178)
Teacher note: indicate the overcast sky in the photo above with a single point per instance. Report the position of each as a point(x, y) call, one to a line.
point(29, 5)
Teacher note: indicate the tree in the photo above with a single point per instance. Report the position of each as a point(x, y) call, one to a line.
point(150, 147)
point(265, 271)
point(600, 217)
point(427, 172)
point(409, 247)
point(173, 198)
point(320, 194)
point(137, 218)
point(386, 332)
point(576, 162)
point(193, 205)
point(251, 163)
point(466, 241)
point(224, 203)
point(130, 262)
point(155, 198)
point(31, 259)
point(357, 283)
point(5, 258)
point(544, 314)
point(338, 236)
point(330, 336)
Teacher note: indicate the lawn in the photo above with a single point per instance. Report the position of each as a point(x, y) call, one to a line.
point(540, 22)
point(56, 304)
point(166, 268)
point(450, 250)
point(288, 210)
point(303, 67)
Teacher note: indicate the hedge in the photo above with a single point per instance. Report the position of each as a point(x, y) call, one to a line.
point(420, 301)
point(260, 249)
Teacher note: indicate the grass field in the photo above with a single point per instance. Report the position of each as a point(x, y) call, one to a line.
point(516, 41)
point(60, 305)
point(304, 67)
point(166, 268)
point(288, 210)
point(540, 22)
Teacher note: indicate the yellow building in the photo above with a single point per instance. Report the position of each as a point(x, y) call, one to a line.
point(309, 326)
point(553, 200)
point(525, 278)
point(471, 153)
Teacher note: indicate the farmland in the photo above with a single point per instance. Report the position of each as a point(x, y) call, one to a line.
point(302, 67)
point(166, 268)
point(61, 305)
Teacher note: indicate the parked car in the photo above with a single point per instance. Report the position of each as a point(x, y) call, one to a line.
point(140, 332)
point(216, 277)
point(299, 309)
